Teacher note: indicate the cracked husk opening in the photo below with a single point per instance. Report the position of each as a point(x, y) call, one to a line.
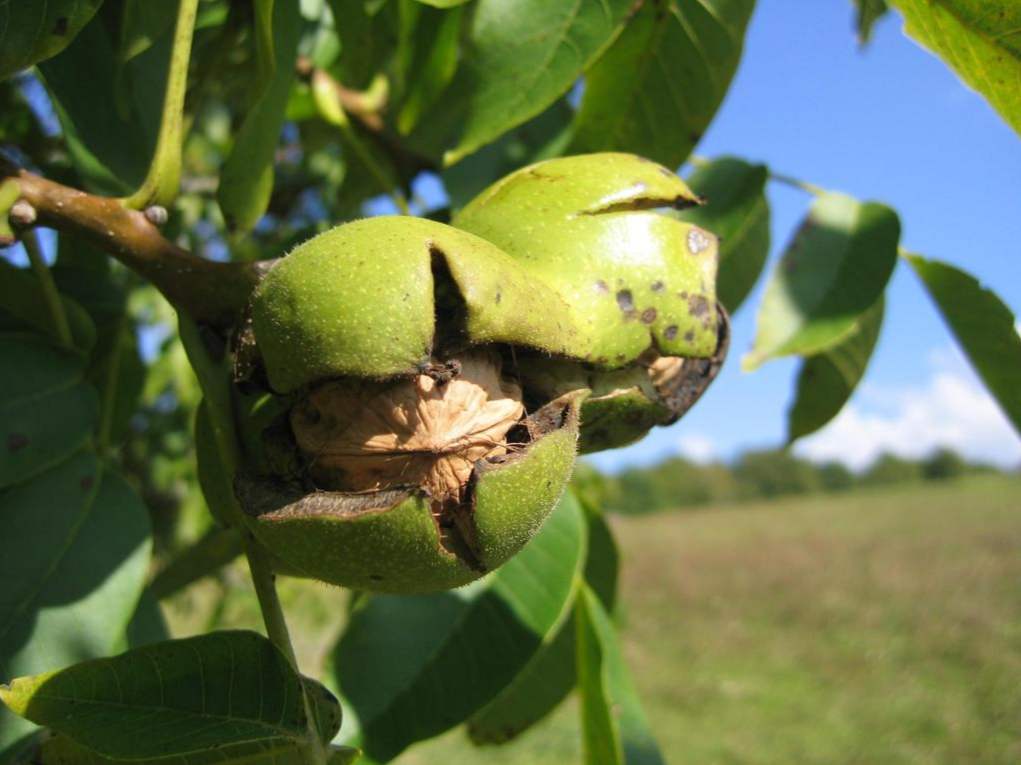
point(426, 432)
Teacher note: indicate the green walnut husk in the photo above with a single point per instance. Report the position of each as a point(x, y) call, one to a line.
point(641, 285)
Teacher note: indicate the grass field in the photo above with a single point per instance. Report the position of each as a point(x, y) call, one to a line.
point(879, 627)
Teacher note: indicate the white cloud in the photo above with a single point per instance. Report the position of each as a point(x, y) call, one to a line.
point(952, 409)
point(697, 448)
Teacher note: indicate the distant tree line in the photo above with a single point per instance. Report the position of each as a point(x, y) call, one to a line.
point(677, 482)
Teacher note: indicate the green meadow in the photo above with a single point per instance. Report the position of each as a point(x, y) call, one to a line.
point(879, 626)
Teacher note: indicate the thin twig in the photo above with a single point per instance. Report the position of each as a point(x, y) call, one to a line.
point(210, 292)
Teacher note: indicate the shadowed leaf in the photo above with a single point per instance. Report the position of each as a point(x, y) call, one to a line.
point(414, 666)
point(983, 325)
point(827, 380)
point(34, 31)
point(656, 89)
point(833, 271)
point(519, 56)
point(614, 728)
point(551, 674)
point(76, 550)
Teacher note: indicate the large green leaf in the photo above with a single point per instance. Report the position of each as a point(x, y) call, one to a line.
point(614, 728)
point(76, 549)
point(655, 91)
point(411, 667)
point(519, 57)
point(978, 39)
point(827, 380)
point(177, 698)
point(48, 411)
point(109, 113)
point(33, 31)
point(551, 673)
point(983, 325)
point(246, 181)
point(737, 211)
point(368, 38)
point(833, 271)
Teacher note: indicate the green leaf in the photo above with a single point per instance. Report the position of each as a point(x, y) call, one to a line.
point(827, 380)
point(110, 139)
point(835, 269)
point(427, 58)
point(542, 137)
point(48, 411)
point(22, 298)
point(31, 32)
point(246, 181)
point(368, 38)
point(519, 57)
point(550, 674)
point(737, 211)
point(60, 750)
point(656, 89)
point(142, 23)
point(413, 666)
point(115, 367)
point(174, 698)
point(614, 727)
point(76, 551)
point(979, 39)
point(867, 13)
point(983, 325)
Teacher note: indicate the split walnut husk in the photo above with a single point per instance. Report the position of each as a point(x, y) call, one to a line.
point(417, 484)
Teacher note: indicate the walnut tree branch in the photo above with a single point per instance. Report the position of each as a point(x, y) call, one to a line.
point(210, 292)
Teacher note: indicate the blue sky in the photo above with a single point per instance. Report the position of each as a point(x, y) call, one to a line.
point(890, 123)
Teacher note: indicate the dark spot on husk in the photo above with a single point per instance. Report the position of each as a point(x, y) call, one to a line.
point(656, 286)
point(670, 332)
point(698, 305)
point(602, 286)
point(17, 442)
point(499, 297)
point(625, 301)
point(60, 27)
point(683, 294)
point(648, 316)
point(376, 577)
point(86, 482)
point(689, 335)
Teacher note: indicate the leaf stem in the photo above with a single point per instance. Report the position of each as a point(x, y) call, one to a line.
point(164, 177)
point(797, 183)
point(30, 240)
